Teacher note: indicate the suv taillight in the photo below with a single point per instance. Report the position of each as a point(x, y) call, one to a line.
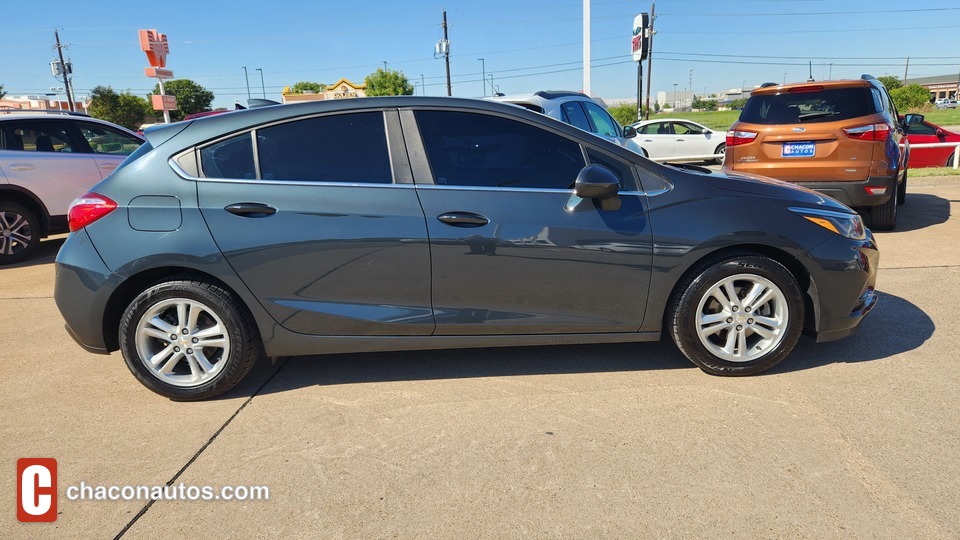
point(870, 132)
point(735, 138)
point(88, 208)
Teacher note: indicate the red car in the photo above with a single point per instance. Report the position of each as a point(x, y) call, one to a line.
point(926, 132)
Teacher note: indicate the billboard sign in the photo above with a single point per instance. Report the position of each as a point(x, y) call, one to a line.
point(640, 42)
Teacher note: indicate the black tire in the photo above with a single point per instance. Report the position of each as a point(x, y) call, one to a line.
point(242, 338)
point(19, 233)
point(722, 149)
point(884, 217)
point(683, 316)
point(949, 163)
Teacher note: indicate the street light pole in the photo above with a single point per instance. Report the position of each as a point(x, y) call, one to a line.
point(262, 87)
point(384, 65)
point(246, 78)
point(493, 89)
point(784, 78)
point(483, 77)
point(674, 96)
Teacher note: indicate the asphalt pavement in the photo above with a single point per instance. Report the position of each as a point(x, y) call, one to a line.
point(855, 439)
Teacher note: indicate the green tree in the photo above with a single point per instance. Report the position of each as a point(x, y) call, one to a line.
point(388, 83)
point(191, 97)
point(738, 104)
point(314, 87)
point(123, 109)
point(890, 81)
point(2, 93)
point(908, 97)
point(625, 113)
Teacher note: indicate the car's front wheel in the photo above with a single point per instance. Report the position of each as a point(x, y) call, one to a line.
point(188, 340)
point(737, 314)
point(19, 233)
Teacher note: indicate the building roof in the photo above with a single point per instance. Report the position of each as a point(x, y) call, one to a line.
point(937, 79)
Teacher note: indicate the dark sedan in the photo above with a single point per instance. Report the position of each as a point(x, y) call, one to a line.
point(409, 223)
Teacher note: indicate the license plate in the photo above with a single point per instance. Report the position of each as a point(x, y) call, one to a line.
point(798, 149)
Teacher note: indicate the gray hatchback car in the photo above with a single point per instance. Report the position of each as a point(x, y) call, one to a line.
point(407, 223)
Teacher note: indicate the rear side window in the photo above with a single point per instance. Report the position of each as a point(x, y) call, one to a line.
point(574, 115)
point(827, 105)
point(470, 149)
point(104, 140)
point(230, 158)
point(37, 136)
point(340, 148)
point(605, 124)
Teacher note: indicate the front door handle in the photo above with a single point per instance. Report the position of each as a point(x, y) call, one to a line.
point(109, 166)
point(463, 219)
point(248, 209)
point(19, 167)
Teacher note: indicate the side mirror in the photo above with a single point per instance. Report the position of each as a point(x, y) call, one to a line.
point(629, 132)
point(596, 182)
point(912, 119)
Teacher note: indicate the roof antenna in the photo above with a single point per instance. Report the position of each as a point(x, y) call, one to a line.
point(811, 71)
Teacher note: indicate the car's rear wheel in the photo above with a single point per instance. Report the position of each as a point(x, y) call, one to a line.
point(722, 149)
point(884, 217)
point(949, 163)
point(19, 233)
point(902, 188)
point(737, 314)
point(188, 340)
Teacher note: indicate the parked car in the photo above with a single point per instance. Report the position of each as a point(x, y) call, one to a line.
point(437, 223)
point(677, 138)
point(927, 133)
point(47, 159)
point(838, 137)
point(576, 109)
point(946, 103)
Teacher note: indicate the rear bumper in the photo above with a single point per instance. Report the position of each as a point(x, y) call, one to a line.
point(855, 193)
point(82, 287)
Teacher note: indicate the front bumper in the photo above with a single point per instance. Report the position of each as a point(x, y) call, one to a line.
point(843, 286)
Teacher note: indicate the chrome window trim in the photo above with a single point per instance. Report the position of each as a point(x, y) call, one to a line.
point(183, 174)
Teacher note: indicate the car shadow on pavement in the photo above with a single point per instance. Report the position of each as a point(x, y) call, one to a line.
point(46, 253)
point(921, 210)
point(873, 341)
point(895, 326)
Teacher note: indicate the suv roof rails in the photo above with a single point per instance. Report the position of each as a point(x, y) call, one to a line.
point(42, 111)
point(554, 94)
point(768, 84)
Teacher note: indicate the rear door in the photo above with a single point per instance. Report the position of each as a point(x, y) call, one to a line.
point(319, 218)
point(108, 146)
point(43, 157)
point(657, 139)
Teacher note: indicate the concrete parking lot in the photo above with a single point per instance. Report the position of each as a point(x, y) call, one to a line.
point(856, 439)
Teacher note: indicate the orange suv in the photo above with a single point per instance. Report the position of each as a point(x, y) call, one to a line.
point(841, 138)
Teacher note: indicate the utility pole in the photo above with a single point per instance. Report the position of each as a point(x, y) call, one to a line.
point(262, 87)
point(493, 89)
point(446, 53)
point(64, 71)
point(423, 84)
point(483, 75)
point(586, 47)
point(384, 65)
point(246, 78)
point(905, 71)
point(653, 17)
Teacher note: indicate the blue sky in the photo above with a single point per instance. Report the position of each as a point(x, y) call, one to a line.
point(526, 46)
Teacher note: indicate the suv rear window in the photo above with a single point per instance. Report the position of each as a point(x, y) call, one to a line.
point(827, 105)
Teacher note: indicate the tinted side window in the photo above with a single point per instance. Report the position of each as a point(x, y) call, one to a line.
point(230, 158)
point(469, 149)
point(574, 115)
point(623, 172)
point(601, 118)
point(38, 136)
point(104, 140)
point(659, 128)
point(681, 128)
point(340, 148)
point(921, 129)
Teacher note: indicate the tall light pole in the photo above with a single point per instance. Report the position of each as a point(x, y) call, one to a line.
point(423, 84)
point(262, 86)
point(493, 89)
point(483, 77)
point(784, 78)
point(246, 78)
point(674, 96)
point(586, 47)
point(384, 65)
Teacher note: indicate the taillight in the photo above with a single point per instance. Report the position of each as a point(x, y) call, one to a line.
point(870, 132)
point(735, 138)
point(88, 208)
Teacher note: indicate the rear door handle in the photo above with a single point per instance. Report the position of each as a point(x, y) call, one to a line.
point(109, 166)
point(463, 219)
point(252, 210)
point(19, 167)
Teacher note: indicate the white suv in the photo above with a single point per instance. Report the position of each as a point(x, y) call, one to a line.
point(577, 109)
point(48, 159)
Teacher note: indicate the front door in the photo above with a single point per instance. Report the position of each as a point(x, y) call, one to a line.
point(513, 252)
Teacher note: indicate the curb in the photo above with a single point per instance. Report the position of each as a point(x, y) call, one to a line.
point(933, 181)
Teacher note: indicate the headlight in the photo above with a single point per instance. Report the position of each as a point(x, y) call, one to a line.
point(846, 225)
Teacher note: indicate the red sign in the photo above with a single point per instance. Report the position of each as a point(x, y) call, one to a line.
point(156, 46)
point(37, 489)
point(158, 73)
point(164, 103)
